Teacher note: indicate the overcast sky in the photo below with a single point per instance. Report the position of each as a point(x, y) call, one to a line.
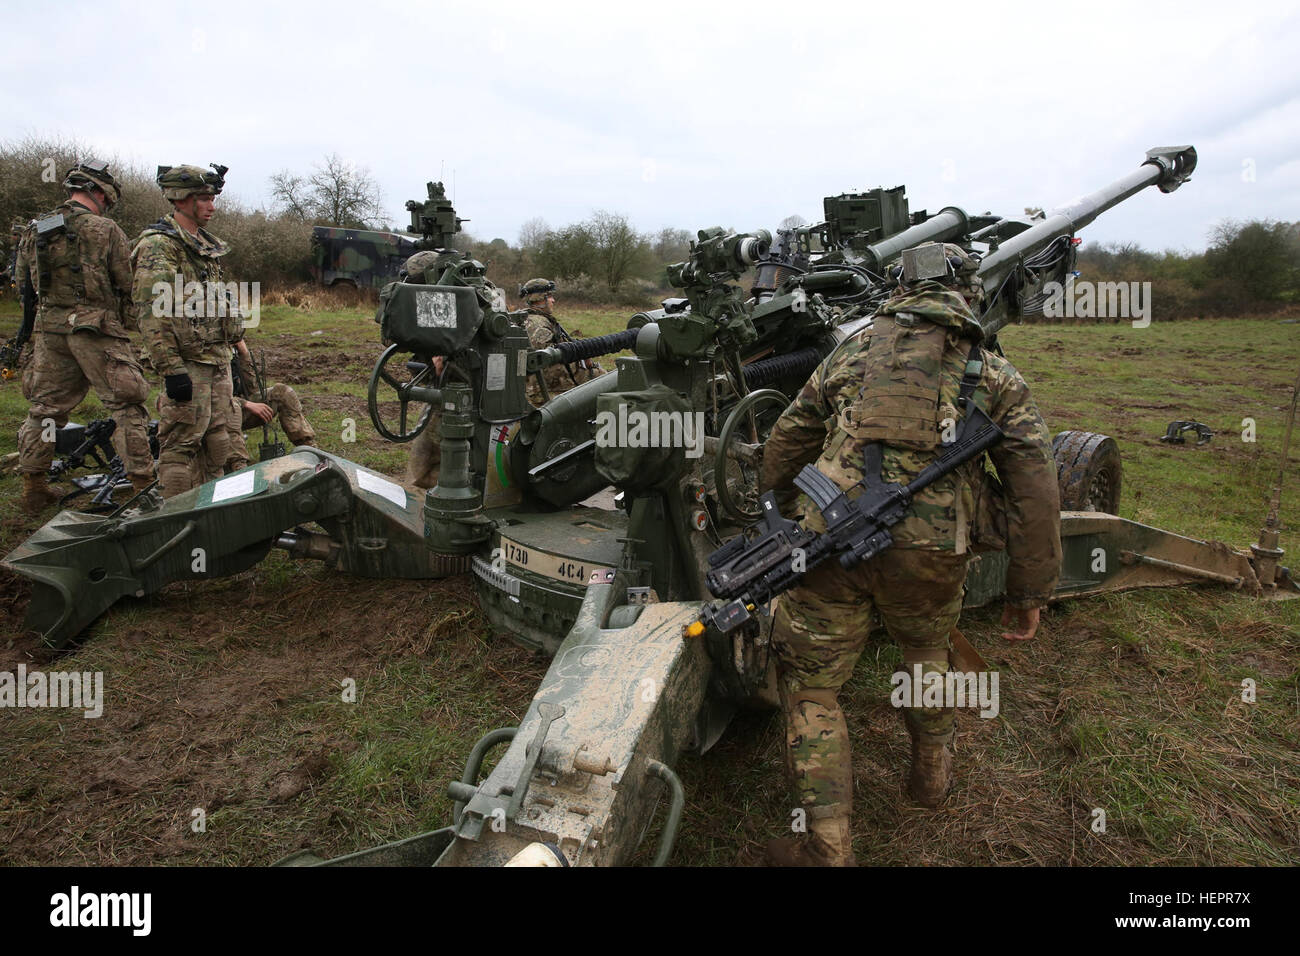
point(686, 114)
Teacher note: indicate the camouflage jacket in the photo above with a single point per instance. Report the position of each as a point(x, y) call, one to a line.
point(903, 393)
point(181, 322)
point(543, 332)
point(81, 272)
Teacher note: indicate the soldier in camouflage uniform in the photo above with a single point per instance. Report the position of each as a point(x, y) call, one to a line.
point(77, 262)
point(281, 401)
point(898, 383)
point(189, 346)
point(426, 448)
point(543, 332)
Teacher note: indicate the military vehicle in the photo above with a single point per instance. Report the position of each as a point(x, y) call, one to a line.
point(357, 257)
point(642, 667)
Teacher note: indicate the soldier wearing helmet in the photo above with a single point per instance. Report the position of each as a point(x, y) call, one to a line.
point(544, 331)
point(189, 347)
point(73, 269)
point(903, 383)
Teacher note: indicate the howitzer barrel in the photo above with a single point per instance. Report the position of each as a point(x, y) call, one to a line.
point(949, 223)
point(1167, 167)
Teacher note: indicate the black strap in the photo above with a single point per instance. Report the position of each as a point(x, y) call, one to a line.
point(970, 379)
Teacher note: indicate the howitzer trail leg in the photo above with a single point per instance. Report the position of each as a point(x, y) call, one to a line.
point(80, 564)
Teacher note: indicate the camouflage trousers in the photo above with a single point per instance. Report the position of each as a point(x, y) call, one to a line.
point(819, 631)
point(426, 454)
point(194, 435)
point(63, 369)
point(287, 407)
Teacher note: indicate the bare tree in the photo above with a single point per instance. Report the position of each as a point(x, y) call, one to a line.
point(792, 222)
point(289, 191)
point(335, 194)
point(671, 245)
point(532, 233)
point(344, 194)
point(619, 247)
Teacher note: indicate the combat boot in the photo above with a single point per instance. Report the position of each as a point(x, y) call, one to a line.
point(931, 776)
point(37, 493)
point(829, 842)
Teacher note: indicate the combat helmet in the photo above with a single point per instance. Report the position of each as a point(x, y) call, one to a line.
point(536, 290)
point(177, 182)
point(93, 174)
point(415, 266)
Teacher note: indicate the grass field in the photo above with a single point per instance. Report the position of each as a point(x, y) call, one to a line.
point(225, 696)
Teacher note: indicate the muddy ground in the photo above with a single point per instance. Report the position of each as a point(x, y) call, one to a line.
point(225, 701)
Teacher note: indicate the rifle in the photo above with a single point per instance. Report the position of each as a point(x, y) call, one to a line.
point(748, 571)
point(12, 350)
point(268, 449)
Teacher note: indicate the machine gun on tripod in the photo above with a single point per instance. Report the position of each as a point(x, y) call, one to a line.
point(75, 443)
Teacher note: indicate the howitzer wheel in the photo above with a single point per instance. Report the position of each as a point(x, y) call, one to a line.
point(401, 380)
point(1089, 471)
point(736, 477)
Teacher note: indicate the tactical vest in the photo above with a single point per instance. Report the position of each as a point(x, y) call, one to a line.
point(908, 398)
point(60, 270)
point(205, 327)
point(899, 400)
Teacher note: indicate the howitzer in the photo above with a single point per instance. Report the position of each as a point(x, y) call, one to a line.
point(607, 591)
point(753, 570)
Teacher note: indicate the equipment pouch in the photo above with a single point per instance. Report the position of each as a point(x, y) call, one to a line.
point(898, 402)
point(232, 325)
point(643, 437)
point(92, 319)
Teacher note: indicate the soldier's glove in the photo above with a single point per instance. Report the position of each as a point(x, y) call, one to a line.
point(179, 387)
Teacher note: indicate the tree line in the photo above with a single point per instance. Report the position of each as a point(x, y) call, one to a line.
point(1249, 266)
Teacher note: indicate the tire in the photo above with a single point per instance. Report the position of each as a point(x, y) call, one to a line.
point(1089, 471)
